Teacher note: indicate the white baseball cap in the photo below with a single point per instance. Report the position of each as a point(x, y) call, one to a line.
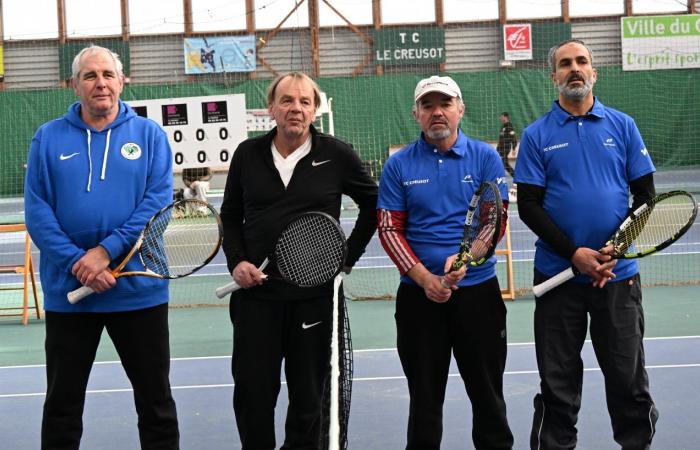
point(445, 85)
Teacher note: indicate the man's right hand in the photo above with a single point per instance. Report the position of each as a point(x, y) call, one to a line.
point(595, 264)
point(246, 275)
point(435, 290)
point(432, 284)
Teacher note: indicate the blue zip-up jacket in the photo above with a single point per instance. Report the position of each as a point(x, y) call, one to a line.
point(85, 188)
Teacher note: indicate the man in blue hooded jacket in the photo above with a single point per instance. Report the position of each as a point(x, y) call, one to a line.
point(94, 178)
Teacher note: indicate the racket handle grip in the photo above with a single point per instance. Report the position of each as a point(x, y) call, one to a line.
point(79, 294)
point(226, 289)
point(223, 291)
point(553, 282)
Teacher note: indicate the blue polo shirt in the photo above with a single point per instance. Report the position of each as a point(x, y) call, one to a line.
point(585, 163)
point(434, 190)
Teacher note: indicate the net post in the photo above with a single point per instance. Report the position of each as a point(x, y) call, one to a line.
point(334, 427)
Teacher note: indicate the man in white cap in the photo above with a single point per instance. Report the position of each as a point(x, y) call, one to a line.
point(424, 194)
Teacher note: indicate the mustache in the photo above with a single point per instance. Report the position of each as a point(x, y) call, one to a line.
point(575, 77)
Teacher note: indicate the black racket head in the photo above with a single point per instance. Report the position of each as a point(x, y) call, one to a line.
point(655, 225)
point(481, 227)
point(310, 250)
point(181, 238)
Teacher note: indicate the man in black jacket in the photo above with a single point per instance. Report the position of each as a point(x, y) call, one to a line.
point(290, 170)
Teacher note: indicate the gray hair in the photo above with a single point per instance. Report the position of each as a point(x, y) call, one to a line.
point(553, 51)
point(93, 49)
point(299, 76)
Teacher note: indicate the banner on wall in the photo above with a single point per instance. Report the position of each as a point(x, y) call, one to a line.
point(517, 42)
point(661, 42)
point(409, 46)
point(219, 54)
point(2, 67)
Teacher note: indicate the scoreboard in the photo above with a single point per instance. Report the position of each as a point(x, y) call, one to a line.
point(203, 131)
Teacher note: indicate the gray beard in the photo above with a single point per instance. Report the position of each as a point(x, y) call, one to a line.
point(577, 93)
point(439, 135)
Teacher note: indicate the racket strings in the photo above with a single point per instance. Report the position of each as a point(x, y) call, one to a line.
point(479, 238)
point(310, 250)
point(655, 225)
point(181, 239)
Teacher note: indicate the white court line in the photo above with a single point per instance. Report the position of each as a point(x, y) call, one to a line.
point(367, 350)
point(363, 379)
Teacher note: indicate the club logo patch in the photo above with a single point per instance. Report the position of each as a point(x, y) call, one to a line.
point(131, 151)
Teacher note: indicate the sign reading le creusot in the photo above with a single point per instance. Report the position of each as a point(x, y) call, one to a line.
point(661, 42)
point(409, 46)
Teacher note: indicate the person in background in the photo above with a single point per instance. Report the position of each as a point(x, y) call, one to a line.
point(196, 181)
point(424, 194)
point(290, 170)
point(573, 212)
point(507, 141)
point(94, 178)
point(507, 145)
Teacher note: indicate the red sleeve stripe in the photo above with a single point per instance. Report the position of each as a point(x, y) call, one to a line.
point(391, 234)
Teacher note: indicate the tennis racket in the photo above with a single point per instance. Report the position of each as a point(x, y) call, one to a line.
point(177, 241)
point(482, 227)
point(309, 252)
point(652, 227)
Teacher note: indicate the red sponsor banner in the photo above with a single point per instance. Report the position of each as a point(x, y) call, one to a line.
point(517, 41)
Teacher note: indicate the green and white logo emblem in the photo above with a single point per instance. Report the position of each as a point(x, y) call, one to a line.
point(131, 151)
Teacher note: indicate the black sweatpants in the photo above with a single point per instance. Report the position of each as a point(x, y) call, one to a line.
point(142, 341)
point(616, 329)
point(503, 152)
point(266, 332)
point(472, 325)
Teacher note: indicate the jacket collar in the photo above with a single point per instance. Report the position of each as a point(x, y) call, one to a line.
point(561, 115)
point(459, 148)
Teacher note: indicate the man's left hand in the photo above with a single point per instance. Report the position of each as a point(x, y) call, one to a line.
point(452, 277)
point(90, 265)
point(103, 282)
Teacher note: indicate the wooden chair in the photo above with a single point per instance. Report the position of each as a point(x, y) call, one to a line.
point(27, 270)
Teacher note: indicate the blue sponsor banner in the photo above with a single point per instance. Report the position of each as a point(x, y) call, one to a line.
point(219, 54)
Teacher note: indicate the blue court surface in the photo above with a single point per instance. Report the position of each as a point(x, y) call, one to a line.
point(203, 391)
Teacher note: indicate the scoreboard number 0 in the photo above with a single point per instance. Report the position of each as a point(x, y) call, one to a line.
point(203, 131)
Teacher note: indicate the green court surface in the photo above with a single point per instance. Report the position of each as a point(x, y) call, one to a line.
point(207, 331)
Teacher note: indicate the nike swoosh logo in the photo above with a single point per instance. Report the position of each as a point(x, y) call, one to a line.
point(65, 157)
point(314, 163)
point(306, 326)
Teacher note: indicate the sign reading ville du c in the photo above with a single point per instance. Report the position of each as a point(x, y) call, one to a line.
point(409, 46)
